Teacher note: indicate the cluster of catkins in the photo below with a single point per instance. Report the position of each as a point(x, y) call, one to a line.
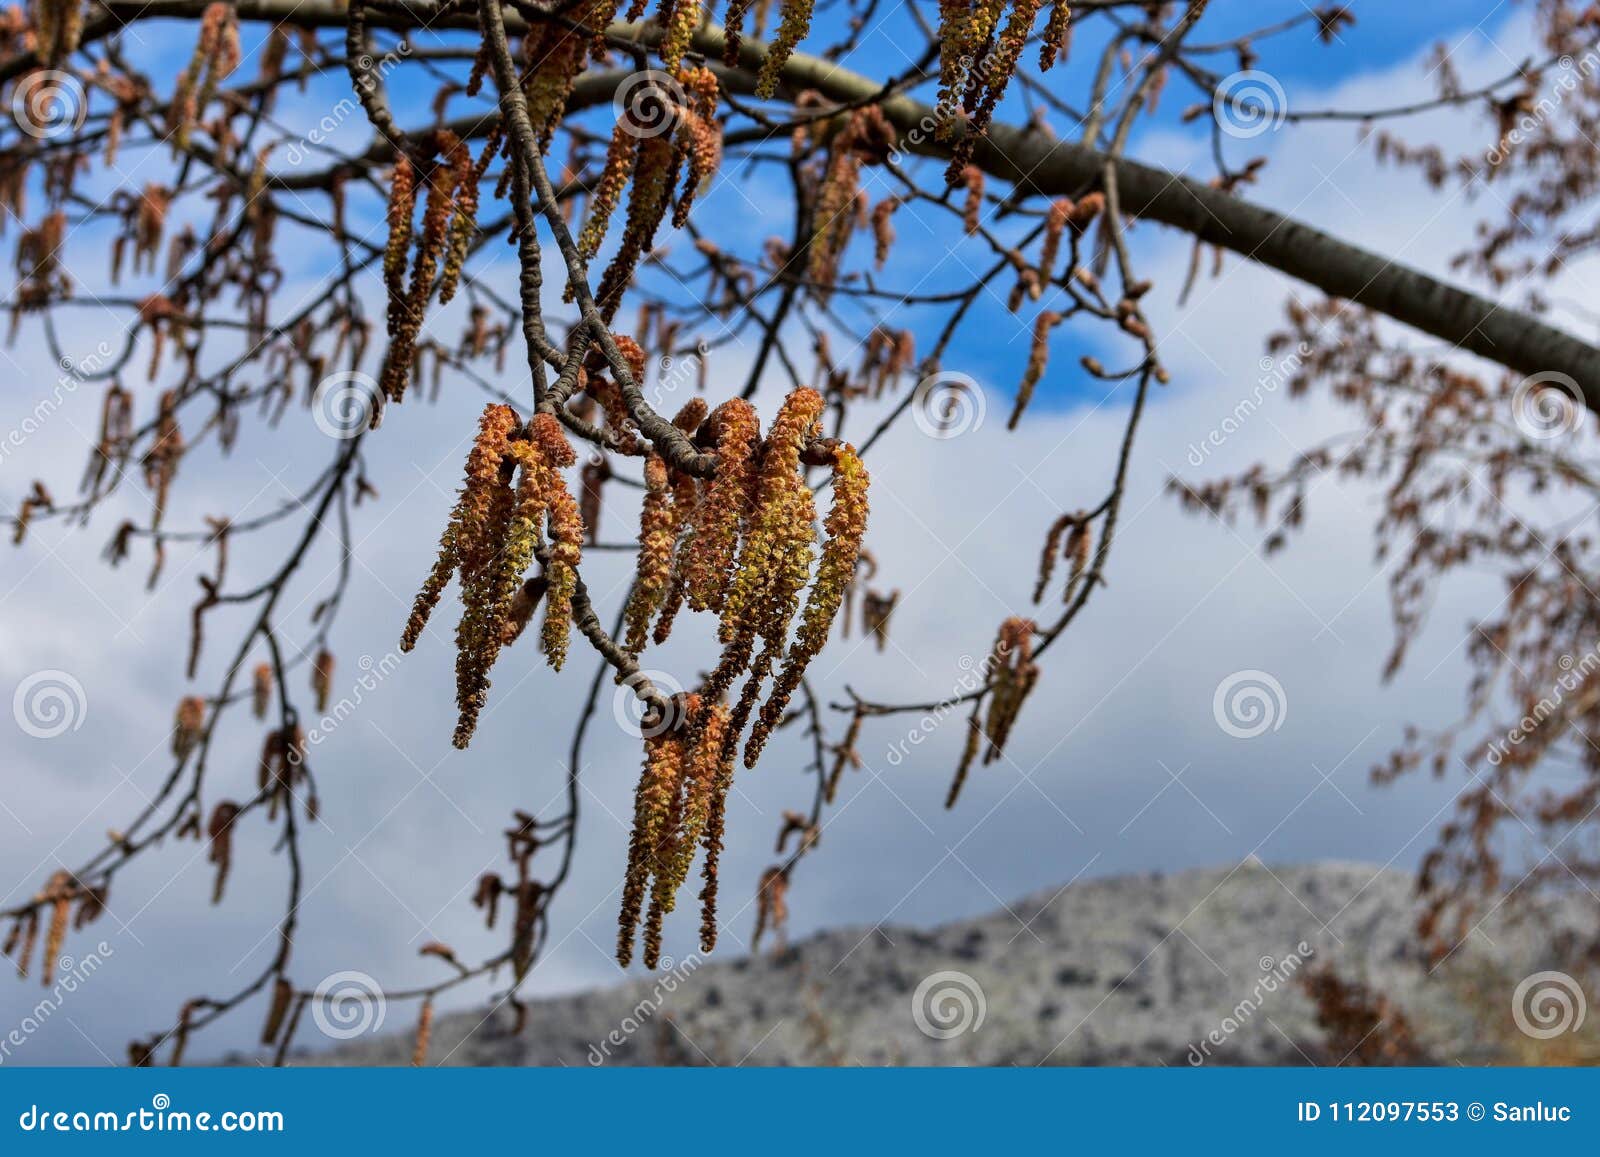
point(1012, 674)
point(978, 56)
point(216, 55)
point(866, 137)
point(679, 806)
point(59, 894)
point(513, 495)
point(742, 545)
point(652, 156)
point(450, 180)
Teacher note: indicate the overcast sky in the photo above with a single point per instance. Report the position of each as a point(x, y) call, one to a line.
point(1117, 763)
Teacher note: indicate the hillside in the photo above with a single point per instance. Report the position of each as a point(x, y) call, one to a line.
point(1126, 970)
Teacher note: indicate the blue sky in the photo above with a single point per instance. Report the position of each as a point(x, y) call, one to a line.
point(1117, 764)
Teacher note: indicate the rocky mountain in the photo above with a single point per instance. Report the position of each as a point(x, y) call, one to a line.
point(1201, 967)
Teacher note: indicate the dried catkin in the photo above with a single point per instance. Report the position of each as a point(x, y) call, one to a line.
point(187, 725)
point(1038, 359)
point(58, 894)
point(219, 831)
point(322, 678)
point(282, 994)
point(261, 690)
point(419, 1054)
point(1013, 674)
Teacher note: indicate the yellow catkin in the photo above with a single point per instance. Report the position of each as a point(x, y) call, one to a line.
point(655, 173)
point(483, 515)
point(566, 539)
point(397, 250)
point(707, 557)
point(699, 136)
point(792, 29)
point(680, 26)
point(656, 525)
point(845, 526)
point(653, 803)
point(1057, 35)
point(620, 156)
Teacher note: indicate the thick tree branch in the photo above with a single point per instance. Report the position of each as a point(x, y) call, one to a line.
point(1038, 165)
